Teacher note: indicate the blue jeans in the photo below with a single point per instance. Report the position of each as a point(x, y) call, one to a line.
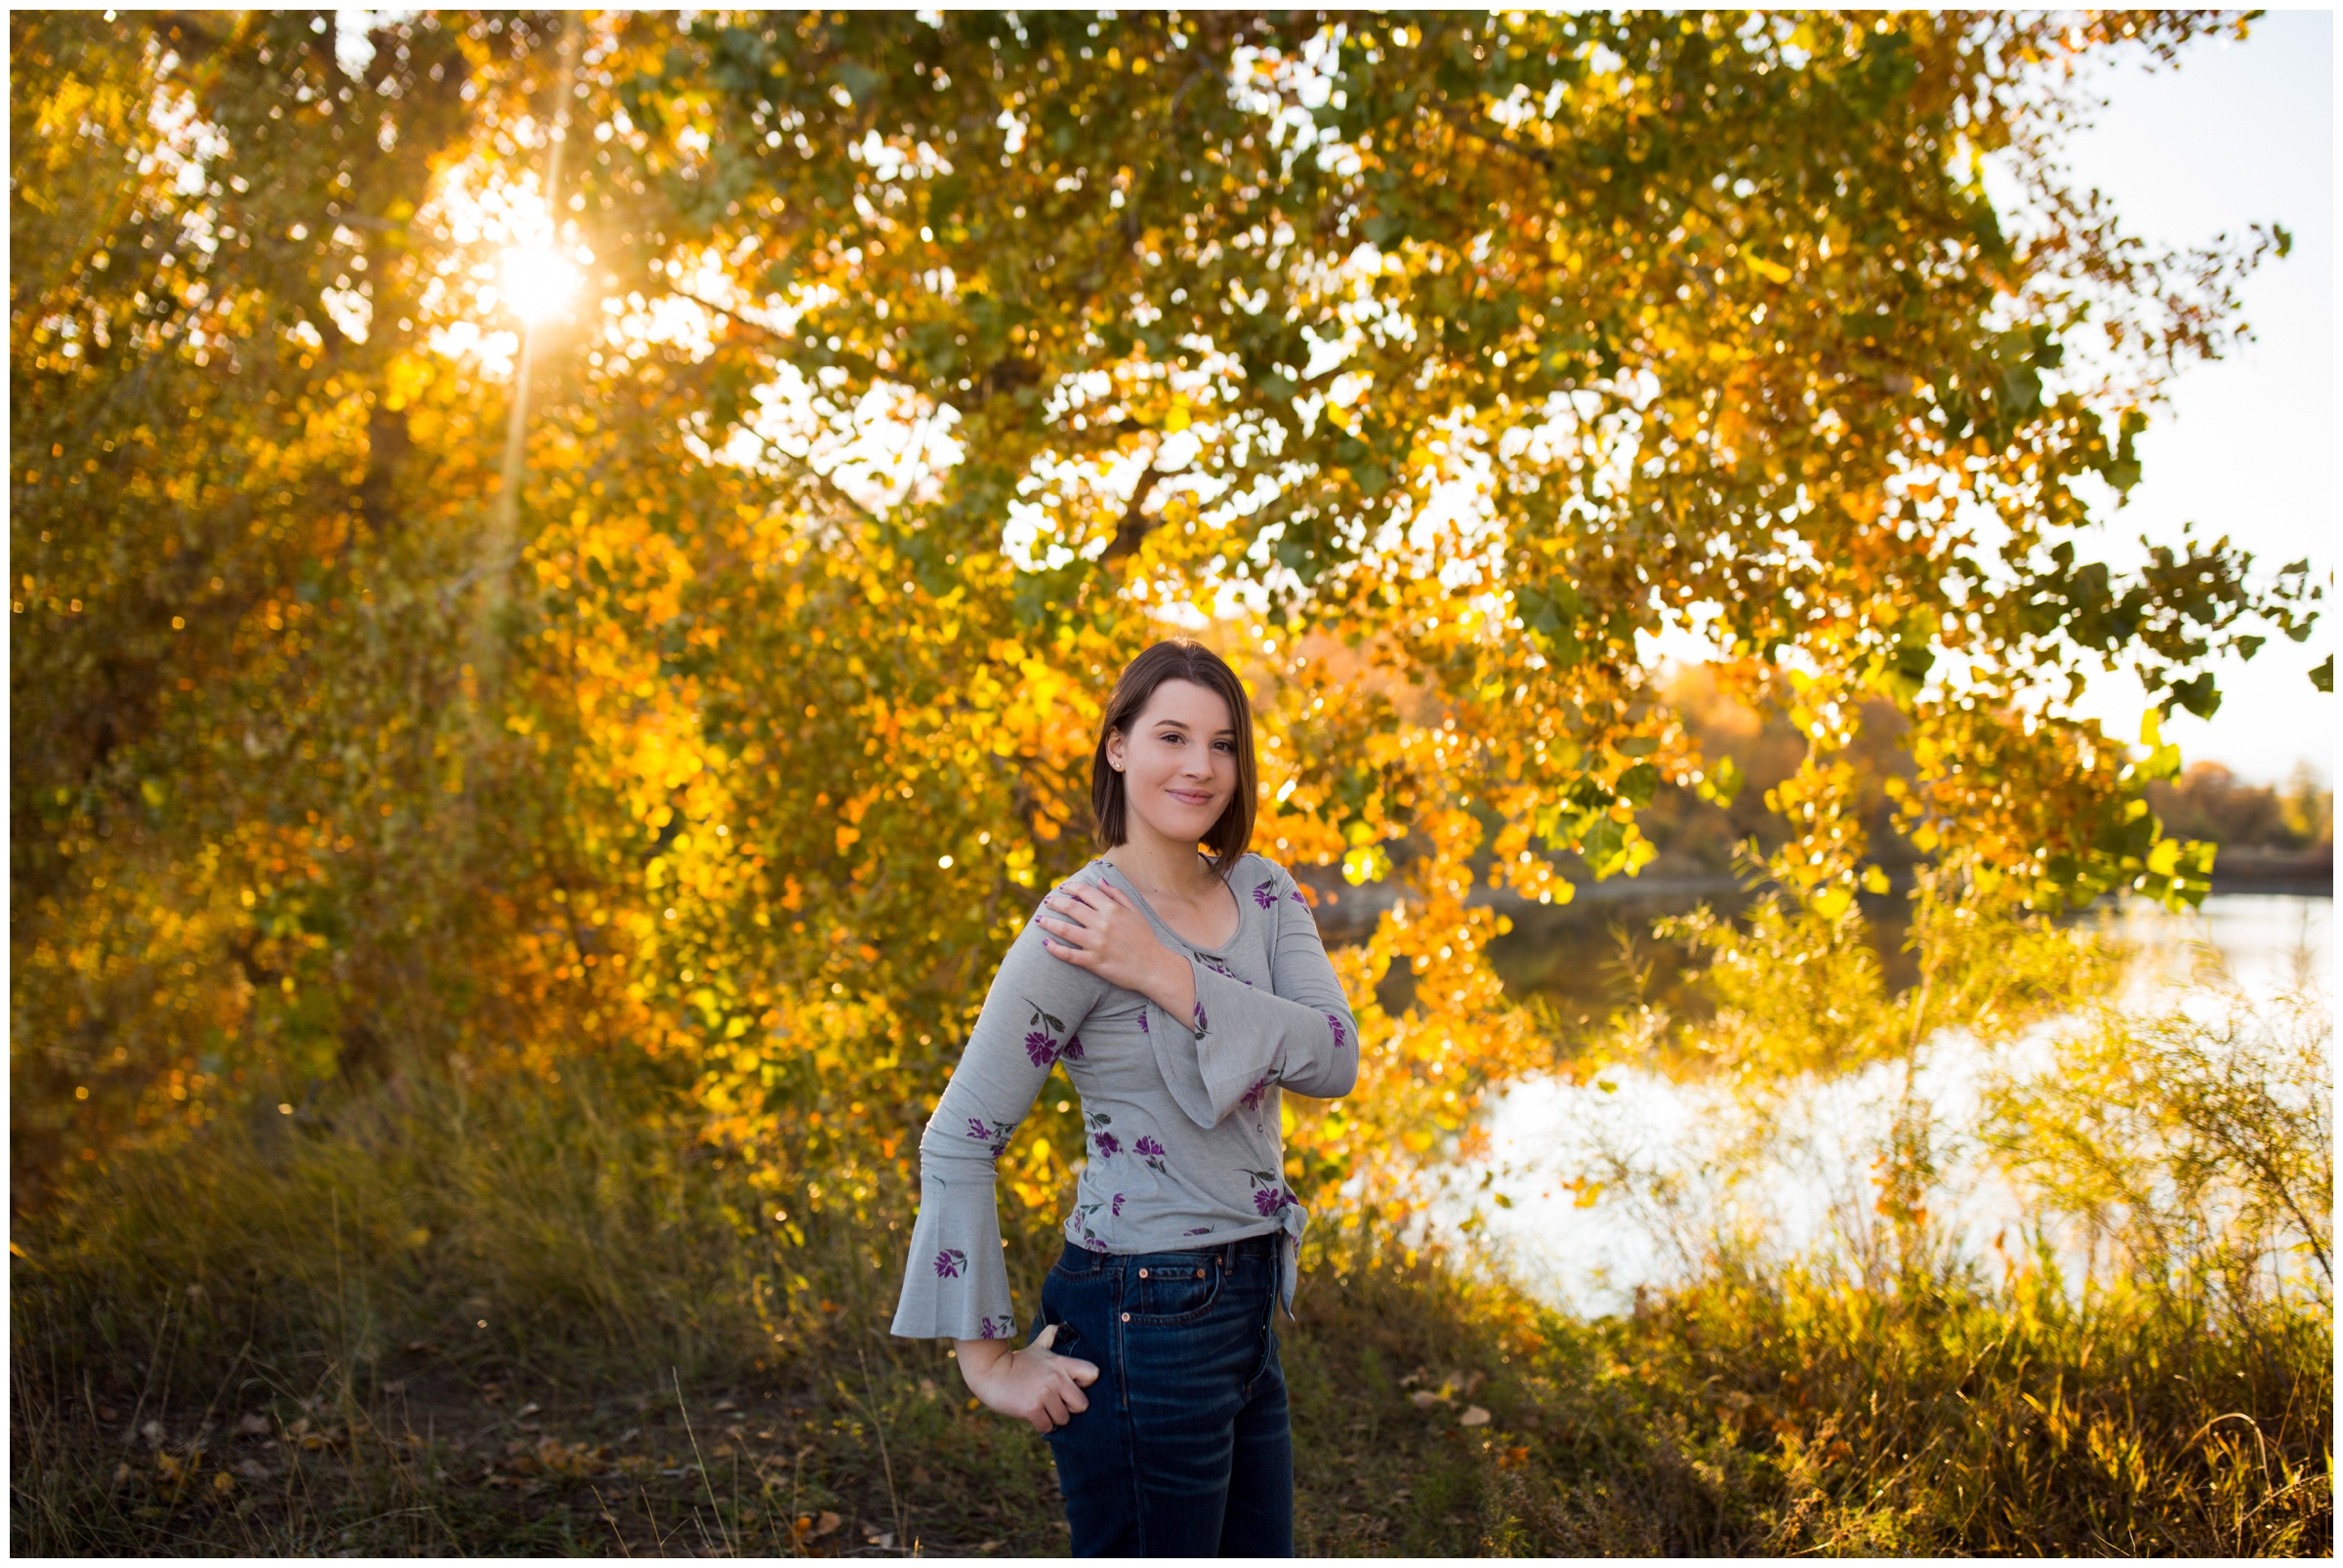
point(1185, 1450)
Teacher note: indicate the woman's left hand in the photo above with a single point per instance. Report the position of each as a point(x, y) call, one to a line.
point(1096, 927)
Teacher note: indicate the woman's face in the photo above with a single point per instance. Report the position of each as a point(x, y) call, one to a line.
point(1178, 761)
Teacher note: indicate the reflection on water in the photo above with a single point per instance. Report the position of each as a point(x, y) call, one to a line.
point(2267, 941)
point(1588, 1251)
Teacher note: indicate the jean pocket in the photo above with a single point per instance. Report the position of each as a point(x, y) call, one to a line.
point(1174, 1292)
point(1068, 1335)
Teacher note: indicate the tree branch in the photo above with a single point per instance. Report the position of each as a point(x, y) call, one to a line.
point(1135, 524)
point(829, 487)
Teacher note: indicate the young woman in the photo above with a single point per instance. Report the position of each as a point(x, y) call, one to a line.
point(1180, 990)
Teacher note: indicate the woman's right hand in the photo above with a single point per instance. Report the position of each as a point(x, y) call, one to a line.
point(1035, 1385)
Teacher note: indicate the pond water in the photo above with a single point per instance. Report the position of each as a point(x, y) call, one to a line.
point(1590, 1255)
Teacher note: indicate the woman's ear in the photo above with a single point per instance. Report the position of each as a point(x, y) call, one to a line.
point(1115, 750)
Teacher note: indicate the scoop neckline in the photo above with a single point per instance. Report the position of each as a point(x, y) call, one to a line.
point(1242, 914)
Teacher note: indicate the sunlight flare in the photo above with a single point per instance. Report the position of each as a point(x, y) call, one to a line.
point(537, 281)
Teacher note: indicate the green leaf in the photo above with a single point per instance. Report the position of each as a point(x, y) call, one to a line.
point(2198, 696)
point(1603, 844)
point(1723, 782)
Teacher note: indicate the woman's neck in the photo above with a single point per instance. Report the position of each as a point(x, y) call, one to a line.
point(1157, 864)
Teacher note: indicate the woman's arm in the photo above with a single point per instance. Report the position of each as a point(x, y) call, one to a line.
point(1300, 1035)
point(955, 1287)
point(1300, 972)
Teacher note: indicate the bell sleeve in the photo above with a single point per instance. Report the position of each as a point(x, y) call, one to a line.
point(1301, 1037)
point(955, 1286)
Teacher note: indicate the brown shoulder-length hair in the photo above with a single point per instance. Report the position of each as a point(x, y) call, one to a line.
point(1179, 659)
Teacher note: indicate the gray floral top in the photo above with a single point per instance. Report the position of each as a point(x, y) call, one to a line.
point(1181, 1115)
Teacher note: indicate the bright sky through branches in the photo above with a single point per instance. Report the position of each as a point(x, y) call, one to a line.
point(2240, 133)
point(2236, 169)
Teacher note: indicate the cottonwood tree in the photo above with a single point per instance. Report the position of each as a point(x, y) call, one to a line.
point(545, 532)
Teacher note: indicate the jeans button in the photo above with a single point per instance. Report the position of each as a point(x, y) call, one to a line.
point(1142, 1273)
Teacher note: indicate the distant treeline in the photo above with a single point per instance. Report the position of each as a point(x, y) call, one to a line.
point(1698, 837)
point(2207, 801)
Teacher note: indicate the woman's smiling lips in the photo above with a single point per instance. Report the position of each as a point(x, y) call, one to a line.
point(1191, 797)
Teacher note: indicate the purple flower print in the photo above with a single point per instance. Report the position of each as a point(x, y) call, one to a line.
point(1152, 1152)
point(1198, 1031)
point(1079, 1222)
point(984, 1330)
point(1269, 1194)
point(1333, 1021)
point(996, 1136)
point(1251, 1099)
point(1295, 895)
point(1041, 1039)
point(1106, 1143)
point(1265, 895)
point(1073, 1050)
point(949, 1262)
point(1117, 1210)
point(1144, 1029)
point(1200, 1230)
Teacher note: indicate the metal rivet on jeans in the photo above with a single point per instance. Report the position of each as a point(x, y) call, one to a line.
point(1200, 1273)
point(1142, 1273)
point(1127, 1317)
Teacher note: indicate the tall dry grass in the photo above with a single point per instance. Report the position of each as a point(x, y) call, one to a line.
point(439, 1314)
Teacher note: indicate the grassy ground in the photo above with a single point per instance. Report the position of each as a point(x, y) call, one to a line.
point(454, 1323)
